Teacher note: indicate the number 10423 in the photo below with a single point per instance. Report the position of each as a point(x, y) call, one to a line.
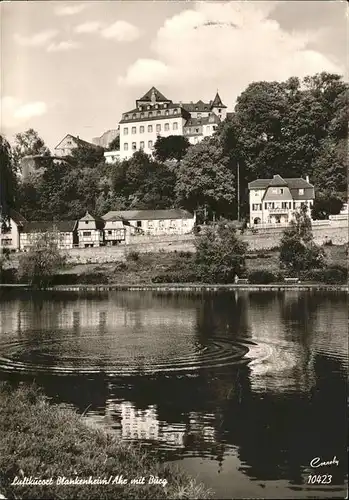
point(324, 479)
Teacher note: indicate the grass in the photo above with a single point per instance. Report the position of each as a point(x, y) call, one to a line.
point(50, 441)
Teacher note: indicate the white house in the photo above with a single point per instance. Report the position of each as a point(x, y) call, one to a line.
point(70, 142)
point(11, 235)
point(90, 231)
point(274, 201)
point(114, 231)
point(155, 116)
point(154, 222)
point(64, 233)
point(112, 157)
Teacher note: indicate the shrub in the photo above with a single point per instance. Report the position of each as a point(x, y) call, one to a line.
point(132, 256)
point(263, 277)
point(335, 275)
point(328, 243)
point(220, 254)
point(120, 266)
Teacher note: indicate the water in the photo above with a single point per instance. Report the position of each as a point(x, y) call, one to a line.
point(243, 389)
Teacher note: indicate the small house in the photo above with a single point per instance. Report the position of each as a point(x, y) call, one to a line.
point(114, 231)
point(90, 231)
point(155, 222)
point(64, 233)
point(10, 233)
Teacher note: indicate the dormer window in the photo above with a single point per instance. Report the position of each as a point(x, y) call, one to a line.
point(166, 112)
point(158, 112)
point(134, 116)
point(150, 114)
point(142, 115)
point(165, 105)
point(148, 107)
point(156, 106)
point(175, 111)
point(126, 117)
point(300, 191)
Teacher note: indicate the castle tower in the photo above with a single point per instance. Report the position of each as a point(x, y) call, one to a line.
point(218, 108)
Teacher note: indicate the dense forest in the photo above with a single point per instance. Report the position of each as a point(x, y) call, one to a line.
point(292, 128)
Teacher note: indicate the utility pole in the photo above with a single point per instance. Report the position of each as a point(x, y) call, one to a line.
point(238, 186)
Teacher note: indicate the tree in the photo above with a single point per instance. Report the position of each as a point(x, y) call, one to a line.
point(298, 251)
point(114, 145)
point(325, 205)
point(87, 156)
point(204, 179)
point(40, 264)
point(220, 254)
point(28, 143)
point(172, 147)
point(8, 181)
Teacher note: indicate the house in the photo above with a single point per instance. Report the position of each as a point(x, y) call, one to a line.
point(11, 234)
point(114, 231)
point(90, 231)
point(154, 222)
point(274, 201)
point(155, 115)
point(64, 233)
point(70, 142)
point(112, 157)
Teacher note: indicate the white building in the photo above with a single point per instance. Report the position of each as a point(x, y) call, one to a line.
point(274, 201)
point(154, 222)
point(10, 236)
point(90, 231)
point(70, 142)
point(64, 233)
point(112, 157)
point(155, 116)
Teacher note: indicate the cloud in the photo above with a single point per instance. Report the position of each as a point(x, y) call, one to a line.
point(63, 46)
point(89, 27)
point(227, 46)
point(39, 39)
point(14, 111)
point(121, 31)
point(70, 10)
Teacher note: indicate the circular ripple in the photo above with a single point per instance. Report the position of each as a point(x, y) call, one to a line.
point(50, 357)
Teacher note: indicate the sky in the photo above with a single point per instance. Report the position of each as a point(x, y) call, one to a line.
point(74, 67)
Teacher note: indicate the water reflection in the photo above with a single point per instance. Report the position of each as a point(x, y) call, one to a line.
point(263, 420)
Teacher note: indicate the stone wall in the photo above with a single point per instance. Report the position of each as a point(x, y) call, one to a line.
point(263, 239)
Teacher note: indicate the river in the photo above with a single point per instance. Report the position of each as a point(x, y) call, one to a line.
point(241, 389)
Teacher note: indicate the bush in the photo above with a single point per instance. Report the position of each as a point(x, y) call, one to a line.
point(120, 266)
point(336, 275)
point(132, 256)
point(263, 277)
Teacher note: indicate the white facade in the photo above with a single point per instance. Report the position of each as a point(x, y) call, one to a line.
point(274, 201)
point(114, 232)
point(10, 238)
point(156, 116)
point(90, 231)
point(112, 157)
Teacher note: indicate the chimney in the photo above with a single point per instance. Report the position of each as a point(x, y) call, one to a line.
point(307, 178)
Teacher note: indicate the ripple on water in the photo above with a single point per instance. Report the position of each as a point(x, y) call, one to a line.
point(52, 357)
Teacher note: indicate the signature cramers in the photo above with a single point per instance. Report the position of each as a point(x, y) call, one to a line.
point(317, 462)
point(76, 481)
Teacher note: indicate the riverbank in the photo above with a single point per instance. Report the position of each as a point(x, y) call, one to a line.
point(52, 442)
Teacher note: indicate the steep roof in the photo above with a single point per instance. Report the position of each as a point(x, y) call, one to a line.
point(199, 106)
point(77, 140)
point(17, 217)
point(217, 102)
point(63, 226)
point(148, 214)
point(277, 180)
point(158, 95)
point(292, 183)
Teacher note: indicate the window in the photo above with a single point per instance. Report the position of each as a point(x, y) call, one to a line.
point(165, 105)
point(166, 112)
point(134, 115)
point(148, 107)
point(208, 128)
point(134, 146)
point(167, 127)
point(142, 115)
point(150, 128)
point(86, 221)
point(156, 106)
point(300, 191)
point(150, 144)
point(274, 190)
point(256, 206)
point(141, 145)
point(86, 233)
point(284, 204)
point(134, 130)
point(139, 223)
point(141, 129)
point(219, 111)
point(175, 126)
point(125, 131)
point(150, 114)
point(175, 111)
point(158, 112)
point(125, 146)
point(158, 127)
point(197, 130)
point(281, 190)
point(110, 232)
point(126, 117)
